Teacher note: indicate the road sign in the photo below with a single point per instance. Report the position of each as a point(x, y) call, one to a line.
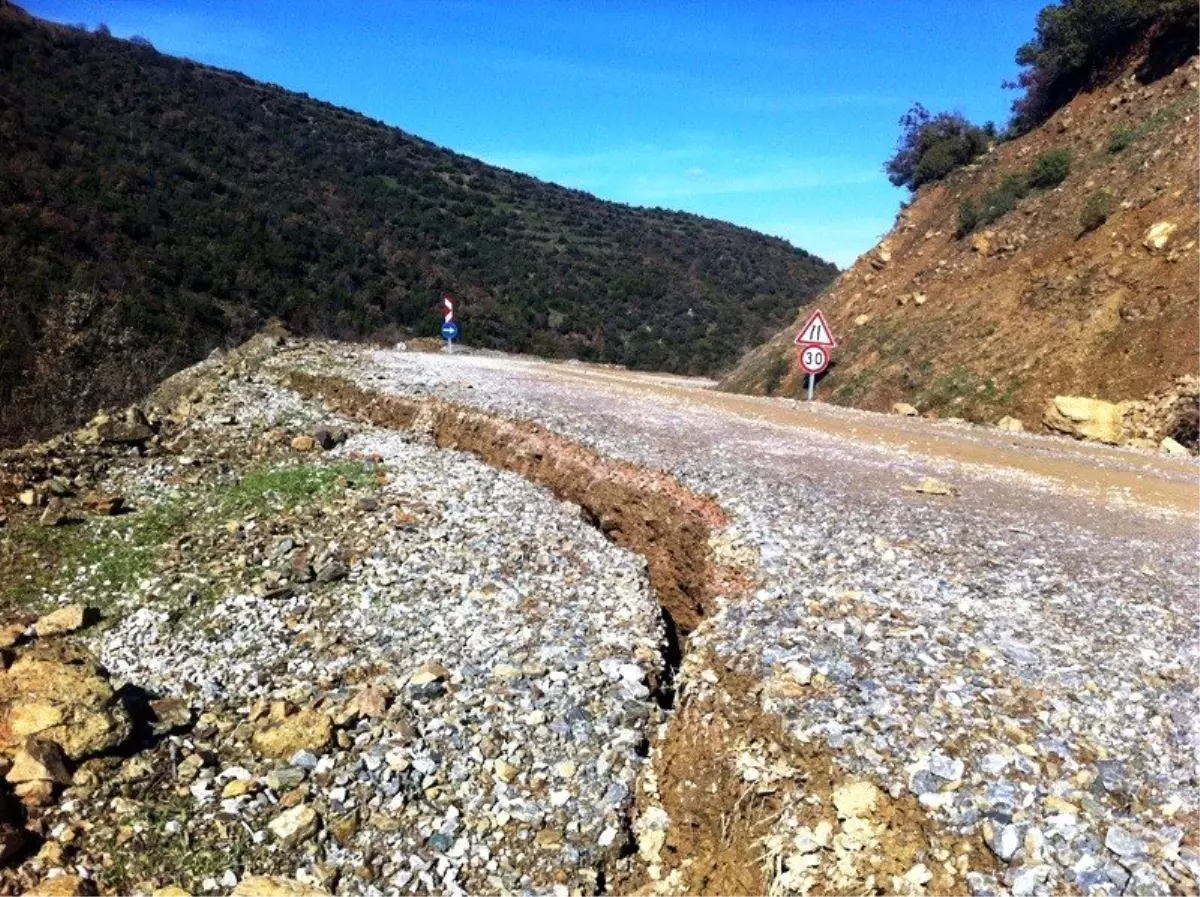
point(449, 328)
point(816, 332)
point(814, 359)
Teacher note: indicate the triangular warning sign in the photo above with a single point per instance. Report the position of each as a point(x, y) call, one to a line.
point(816, 332)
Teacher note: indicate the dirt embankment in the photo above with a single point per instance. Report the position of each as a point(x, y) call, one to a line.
point(1043, 301)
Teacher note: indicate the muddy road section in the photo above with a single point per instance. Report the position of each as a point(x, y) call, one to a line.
point(957, 660)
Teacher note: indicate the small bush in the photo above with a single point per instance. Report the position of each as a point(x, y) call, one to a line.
point(1003, 198)
point(1121, 138)
point(1096, 209)
point(1050, 168)
point(968, 216)
point(932, 146)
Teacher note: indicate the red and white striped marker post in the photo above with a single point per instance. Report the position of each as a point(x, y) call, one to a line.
point(448, 305)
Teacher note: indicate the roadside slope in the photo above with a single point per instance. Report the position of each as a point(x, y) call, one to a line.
point(999, 321)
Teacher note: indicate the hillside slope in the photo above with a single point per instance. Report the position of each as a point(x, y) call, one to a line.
point(998, 321)
point(152, 209)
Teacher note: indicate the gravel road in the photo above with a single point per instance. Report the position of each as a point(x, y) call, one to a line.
point(1018, 656)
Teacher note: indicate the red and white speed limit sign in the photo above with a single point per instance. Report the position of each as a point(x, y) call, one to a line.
point(813, 359)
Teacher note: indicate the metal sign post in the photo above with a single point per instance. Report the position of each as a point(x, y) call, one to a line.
point(815, 339)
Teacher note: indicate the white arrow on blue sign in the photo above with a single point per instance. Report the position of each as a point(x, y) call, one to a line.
point(449, 330)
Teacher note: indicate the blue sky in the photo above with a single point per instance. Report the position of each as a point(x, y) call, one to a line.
point(775, 115)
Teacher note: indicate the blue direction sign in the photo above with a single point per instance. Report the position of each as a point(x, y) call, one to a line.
point(449, 330)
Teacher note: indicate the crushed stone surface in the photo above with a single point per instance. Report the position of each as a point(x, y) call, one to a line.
point(1019, 657)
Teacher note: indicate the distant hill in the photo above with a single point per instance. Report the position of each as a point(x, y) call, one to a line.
point(152, 209)
point(1081, 279)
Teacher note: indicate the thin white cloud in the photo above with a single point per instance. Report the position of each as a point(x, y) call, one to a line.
point(651, 174)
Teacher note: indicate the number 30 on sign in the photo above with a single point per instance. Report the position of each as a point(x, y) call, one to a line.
point(813, 359)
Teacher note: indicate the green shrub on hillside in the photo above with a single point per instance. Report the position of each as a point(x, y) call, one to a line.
point(968, 217)
point(1050, 169)
point(1079, 41)
point(1003, 198)
point(1121, 139)
point(931, 146)
point(1096, 209)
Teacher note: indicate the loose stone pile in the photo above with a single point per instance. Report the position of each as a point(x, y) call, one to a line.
point(431, 677)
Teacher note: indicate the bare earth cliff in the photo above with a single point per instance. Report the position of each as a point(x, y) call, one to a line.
point(999, 321)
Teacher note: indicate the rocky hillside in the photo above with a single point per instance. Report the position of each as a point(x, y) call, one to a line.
point(1088, 288)
point(152, 209)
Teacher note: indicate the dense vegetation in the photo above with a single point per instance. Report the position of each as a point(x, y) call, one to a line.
point(152, 209)
point(931, 146)
point(1077, 43)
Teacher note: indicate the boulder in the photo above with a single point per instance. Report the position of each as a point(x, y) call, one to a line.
point(1159, 235)
point(275, 886)
point(71, 703)
point(103, 504)
point(1171, 447)
point(66, 619)
point(295, 825)
point(131, 429)
point(306, 730)
point(304, 443)
point(861, 320)
point(39, 761)
point(905, 409)
point(1084, 418)
point(63, 886)
point(1010, 425)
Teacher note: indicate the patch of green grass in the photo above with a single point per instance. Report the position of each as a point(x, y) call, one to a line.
point(105, 557)
point(185, 858)
point(287, 487)
point(776, 369)
point(1125, 136)
point(1122, 138)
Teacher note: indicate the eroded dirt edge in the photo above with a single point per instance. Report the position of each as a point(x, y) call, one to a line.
point(700, 825)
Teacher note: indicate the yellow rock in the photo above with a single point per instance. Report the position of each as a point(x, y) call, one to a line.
point(63, 886)
point(1084, 418)
point(237, 787)
point(1159, 235)
point(171, 891)
point(854, 800)
point(39, 761)
point(91, 719)
point(275, 886)
point(64, 620)
point(306, 730)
